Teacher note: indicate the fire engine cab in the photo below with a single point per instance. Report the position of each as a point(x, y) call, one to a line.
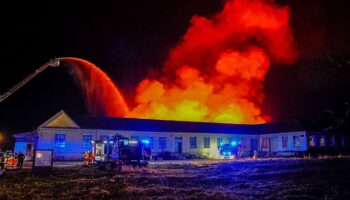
point(230, 150)
point(118, 151)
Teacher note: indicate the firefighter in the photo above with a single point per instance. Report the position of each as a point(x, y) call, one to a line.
point(86, 157)
point(90, 157)
point(239, 152)
point(255, 156)
point(21, 157)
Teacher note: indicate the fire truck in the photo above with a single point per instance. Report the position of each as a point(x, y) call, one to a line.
point(118, 151)
point(229, 150)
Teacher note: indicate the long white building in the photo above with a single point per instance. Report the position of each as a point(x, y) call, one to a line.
point(70, 137)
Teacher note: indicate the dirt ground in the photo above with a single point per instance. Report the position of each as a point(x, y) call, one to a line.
point(261, 179)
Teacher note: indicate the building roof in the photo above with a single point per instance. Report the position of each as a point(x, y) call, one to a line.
point(27, 136)
point(148, 125)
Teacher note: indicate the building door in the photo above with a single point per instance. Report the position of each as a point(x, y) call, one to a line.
point(178, 145)
point(274, 144)
point(253, 145)
point(29, 149)
point(265, 144)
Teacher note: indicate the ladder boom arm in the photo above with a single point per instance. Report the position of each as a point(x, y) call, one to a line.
point(52, 63)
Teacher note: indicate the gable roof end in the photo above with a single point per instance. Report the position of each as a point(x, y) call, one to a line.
point(60, 120)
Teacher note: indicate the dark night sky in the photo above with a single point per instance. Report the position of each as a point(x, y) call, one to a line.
point(129, 38)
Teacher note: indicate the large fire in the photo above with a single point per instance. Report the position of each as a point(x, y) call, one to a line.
point(216, 71)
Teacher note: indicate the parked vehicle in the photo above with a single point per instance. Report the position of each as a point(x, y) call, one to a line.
point(118, 151)
point(230, 150)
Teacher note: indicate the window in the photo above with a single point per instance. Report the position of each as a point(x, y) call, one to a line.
point(219, 142)
point(323, 141)
point(296, 141)
point(87, 140)
point(312, 141)
point(60, 140)
point(104, 137)
point(284, 141)
point(29, 148)
point(162, 142)
point(193, 142)
point(265, 143)
point(206, 142)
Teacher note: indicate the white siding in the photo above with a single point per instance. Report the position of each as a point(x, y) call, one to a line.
point(74, 141)
point(277, 142)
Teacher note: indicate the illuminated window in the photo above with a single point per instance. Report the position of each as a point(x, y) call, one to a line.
point(104, 137)
point(323, 141)
point(193, 142)
point(162, 142)
point(296, 141)
point(206, 142)
point(60, 140)
point(265, 143)
point(312, 141)
point(284, 141)
point(87, 140)
point(219, 142)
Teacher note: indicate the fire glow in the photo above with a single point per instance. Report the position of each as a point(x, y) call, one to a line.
point(102, 95)
point(216, 71)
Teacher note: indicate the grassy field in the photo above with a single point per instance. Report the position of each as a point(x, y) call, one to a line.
point(262, 179)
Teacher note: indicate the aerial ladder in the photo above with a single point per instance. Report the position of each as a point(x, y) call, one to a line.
point(51, 63)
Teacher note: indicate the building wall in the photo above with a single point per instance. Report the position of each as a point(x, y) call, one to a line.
point(211, 152)
point(276, 142)
point(74, 149)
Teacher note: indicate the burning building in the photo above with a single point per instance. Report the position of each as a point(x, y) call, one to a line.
point(69, 137)
point(214, 75)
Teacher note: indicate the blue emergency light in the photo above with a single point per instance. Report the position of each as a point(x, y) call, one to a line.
point(145, 141)
point(233, 143)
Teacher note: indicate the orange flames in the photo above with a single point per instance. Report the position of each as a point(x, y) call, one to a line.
point(216, 72)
